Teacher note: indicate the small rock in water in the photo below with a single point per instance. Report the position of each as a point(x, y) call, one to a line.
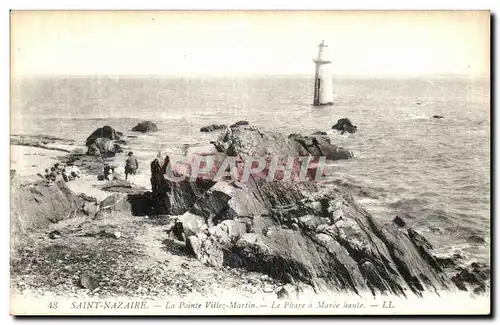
point(476, 239)
point(438, 116)
point(345, 125)
point(145, 126)
point(117, 234)
point(399, 222)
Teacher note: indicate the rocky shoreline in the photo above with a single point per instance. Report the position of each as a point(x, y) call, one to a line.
point(292, 238)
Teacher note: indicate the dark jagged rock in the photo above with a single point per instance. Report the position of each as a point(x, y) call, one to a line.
point(474, 277)
point(213, 127)
point(438, 116)
point(106, 132)
point(319, 133)
point(145, 126)
point(240, 123)
point(298, 232)
point(317, 146)
point(448, 262)
point(345, 125)
point(103, 142)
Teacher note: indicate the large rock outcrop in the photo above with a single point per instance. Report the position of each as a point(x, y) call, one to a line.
point(37, 205)
point(296, 231)
point(145, 126)
point(104, 142)
point(251, 141)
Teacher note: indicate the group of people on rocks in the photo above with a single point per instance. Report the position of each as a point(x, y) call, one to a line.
point(67, 173)
point(70, 172)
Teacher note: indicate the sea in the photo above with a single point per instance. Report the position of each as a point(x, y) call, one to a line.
point(435, 173)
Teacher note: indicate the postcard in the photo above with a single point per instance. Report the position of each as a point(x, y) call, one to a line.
point(250, 163)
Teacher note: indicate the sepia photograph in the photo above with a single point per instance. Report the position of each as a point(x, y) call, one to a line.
point(225, 162)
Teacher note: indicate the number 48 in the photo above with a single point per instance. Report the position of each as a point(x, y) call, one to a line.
point(53, 305)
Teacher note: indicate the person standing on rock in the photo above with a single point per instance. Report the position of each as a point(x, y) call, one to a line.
point(131, 165)
point(160, 187)
point(158, 169)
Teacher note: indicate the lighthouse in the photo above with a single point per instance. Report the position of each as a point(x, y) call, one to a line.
point(323, 87)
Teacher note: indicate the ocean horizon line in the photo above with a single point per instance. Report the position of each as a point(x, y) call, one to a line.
point(255, 76)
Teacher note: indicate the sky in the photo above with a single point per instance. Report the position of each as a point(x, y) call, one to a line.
point(252, 42)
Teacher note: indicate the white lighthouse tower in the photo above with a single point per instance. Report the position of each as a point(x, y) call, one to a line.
point(323, 85)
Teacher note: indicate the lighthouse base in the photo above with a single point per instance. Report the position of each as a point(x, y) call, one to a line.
point(323, 104)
